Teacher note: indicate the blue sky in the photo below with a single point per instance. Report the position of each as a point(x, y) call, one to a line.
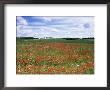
point(55, 26)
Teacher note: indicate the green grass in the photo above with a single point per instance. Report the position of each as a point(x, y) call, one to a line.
point(42, 41)
point(54, 56)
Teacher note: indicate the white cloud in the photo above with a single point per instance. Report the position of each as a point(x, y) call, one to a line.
point(21, 21)
point(73, 27)
point(47, 19)
point(36, 24)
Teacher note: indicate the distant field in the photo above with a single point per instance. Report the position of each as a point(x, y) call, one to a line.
point(54, 56)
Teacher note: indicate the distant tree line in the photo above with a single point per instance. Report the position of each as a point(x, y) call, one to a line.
point(77, 38)
point(53, 38)
point(25, 38)
point(70, 38)
point(89, 38)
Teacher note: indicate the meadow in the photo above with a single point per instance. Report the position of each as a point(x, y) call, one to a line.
point(54, 56)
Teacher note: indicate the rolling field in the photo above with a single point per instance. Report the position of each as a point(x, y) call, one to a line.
point(54, 56)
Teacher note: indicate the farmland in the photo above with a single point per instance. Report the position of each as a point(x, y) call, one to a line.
point(54, 56)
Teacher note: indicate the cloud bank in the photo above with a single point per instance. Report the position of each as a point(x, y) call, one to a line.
point(57, 27)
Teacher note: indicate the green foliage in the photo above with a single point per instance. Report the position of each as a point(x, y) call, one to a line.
point(90, 71)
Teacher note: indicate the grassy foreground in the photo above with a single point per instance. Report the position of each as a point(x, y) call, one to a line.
point(54, 56)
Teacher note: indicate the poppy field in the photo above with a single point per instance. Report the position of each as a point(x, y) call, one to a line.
point(54, 56)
